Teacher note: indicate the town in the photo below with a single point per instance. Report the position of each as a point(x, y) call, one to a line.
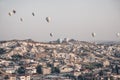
point(66, 59)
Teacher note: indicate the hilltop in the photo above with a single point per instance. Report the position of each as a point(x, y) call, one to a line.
point(33, 48)
point(64, 58)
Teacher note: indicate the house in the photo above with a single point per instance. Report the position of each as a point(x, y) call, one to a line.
point(64, 69)
point(55, 64)
point(106, 63)
point(10, 70)
point(31, 71)
point(76, 73)
point(46, 70)
point(12, 77)
point(23, 77)
point(1, 76)
point(116, 77)
point(61, 55)
point(78, 66)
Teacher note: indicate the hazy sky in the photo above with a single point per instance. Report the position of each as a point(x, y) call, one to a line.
point(70, 18)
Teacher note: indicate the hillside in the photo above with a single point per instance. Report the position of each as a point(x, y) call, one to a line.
point(29, 48)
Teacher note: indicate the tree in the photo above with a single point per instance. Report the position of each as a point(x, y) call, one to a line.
point(16, 57)
point(71, 76)
point(111, 78)
point(6, 77)
point(21, 70)
point(101, 73)
point(55, 70)
point(39, 69)
point(98, 65)
point(116, 69)
point(90, 66)
point(49, 65)
point(2, 50)
point(80, 77)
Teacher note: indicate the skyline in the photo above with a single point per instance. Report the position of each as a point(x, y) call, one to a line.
point(75, 19)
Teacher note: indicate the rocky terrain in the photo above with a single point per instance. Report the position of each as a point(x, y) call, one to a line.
point(30, 48)
point(66, 58)
point(23, 47)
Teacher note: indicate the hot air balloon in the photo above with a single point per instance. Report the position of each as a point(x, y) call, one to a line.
point(93, 34)
point(10, 13)
point(48, 19)
point(51, 34)
point(59, 40)
point(14, 11)
point(118, 34)
point(21, 19)
point(33, 14)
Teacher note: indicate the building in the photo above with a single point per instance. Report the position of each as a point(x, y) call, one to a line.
point(76, 73)
point(106, 63)
point(46, 70)
point(55, 64)
point(23, 77)
point(12, 77)
point(65, 69)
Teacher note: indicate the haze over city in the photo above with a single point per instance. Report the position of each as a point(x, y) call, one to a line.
point(75, 19)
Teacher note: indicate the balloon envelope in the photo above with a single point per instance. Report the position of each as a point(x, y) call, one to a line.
point(14, 11)
point(33, 14)
point(93, 34)
point(21, 19)
point(10, 13)
point(48, 19)
point(51, 34)
point(118, 34)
